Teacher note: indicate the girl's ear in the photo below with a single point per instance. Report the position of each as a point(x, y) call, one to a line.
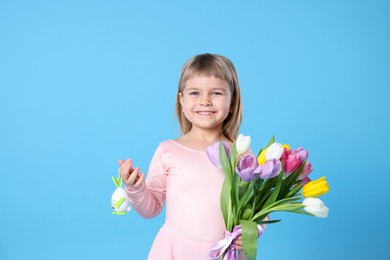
point(181, 99)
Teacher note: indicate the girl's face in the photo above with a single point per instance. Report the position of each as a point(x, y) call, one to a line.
point(206, 102)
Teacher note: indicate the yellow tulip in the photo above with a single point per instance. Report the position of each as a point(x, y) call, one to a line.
point(261, 158)
point(286, 146)
point(315, 188)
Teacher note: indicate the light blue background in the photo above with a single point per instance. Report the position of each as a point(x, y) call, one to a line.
point(85, 83)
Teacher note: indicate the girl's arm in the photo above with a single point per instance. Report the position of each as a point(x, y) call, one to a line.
point(147, 198)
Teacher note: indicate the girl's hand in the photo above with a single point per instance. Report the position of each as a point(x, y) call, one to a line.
point(131, 177)
point(238, 243)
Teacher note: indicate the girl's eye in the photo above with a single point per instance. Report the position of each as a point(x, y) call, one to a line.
point(194, 93)
point(216, 93)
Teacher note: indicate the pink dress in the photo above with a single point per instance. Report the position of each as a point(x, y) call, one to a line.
point(191, 186)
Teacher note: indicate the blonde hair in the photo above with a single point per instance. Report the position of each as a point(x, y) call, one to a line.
point(209, 65)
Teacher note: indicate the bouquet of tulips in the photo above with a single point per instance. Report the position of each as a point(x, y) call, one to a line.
point(276, 180)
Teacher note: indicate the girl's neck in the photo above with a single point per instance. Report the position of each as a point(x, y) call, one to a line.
point(202, 135)
point(200, 140)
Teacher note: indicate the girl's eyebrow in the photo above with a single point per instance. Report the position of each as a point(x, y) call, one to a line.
point(191, 88)
point(221, 89)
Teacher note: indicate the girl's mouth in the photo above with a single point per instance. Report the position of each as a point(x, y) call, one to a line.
point(205, 112)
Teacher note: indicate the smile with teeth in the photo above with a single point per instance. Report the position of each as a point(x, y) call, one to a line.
point(205, 112)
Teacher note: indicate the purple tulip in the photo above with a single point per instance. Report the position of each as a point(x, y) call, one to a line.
point(307, 169)
point(248, 168)
point(302, 154)
point(270, 169)
point(213, 153)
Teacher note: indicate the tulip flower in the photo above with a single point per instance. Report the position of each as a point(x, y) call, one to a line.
point(304, 181)
point(212, 152)
point(302, 154)
point(290, 160)
point(261, 158)
point(248, 168)
point(316, 207)
point(270, 169)
point(274, 151)
point(315, 188)
point(242, 144)
point(307, 169)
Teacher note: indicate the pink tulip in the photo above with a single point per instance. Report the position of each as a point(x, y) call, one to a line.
point(290, 160)
point(305, 180)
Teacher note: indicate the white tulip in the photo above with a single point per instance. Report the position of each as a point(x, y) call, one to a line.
point(242, 144)
point(316, 207)
point(274, 151)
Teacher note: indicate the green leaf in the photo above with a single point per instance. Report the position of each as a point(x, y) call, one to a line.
point(264, 191)
point(249, 238)
point(275, 191)
point(266, 222)
point(271, 141)
point(235, 177)
point(225, 202)
point(291, 180)
point(233, 154)
point(280, 205)
point(260, 218)
point(264, 196)
point(284, 201)
point(259, 182)
point(293, 191)
point(242, 190)
point(301, 211)
point(287, 207)
point(254, 203)
point(247, 195)
point(268, 184)
point(236, 190)
point(225, 163)
point(259, 153)
point(247, 212)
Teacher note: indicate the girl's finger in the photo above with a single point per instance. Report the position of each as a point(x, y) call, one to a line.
point(238, 242)
point(121, 162)
point(140, 180)
point(125, 169)
point(239, 248)
point(133, 176)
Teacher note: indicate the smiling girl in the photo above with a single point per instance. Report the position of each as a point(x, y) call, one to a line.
point(180, 174)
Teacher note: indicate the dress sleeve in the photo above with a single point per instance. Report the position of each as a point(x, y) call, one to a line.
point(148, 200)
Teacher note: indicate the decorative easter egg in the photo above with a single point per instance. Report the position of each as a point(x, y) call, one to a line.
point(119, 200)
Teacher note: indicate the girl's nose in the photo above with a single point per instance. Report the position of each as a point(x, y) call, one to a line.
point(205, 101)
